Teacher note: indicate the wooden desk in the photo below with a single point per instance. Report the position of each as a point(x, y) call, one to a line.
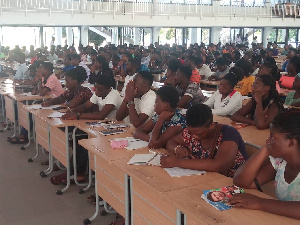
point(210, 82)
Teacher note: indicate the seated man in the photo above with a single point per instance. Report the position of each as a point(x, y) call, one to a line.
point(76, 61)
point(210, 146)
point(139, 100)
point(166, 122)
point(222, 69)
point(21, 68)
point(105, 97)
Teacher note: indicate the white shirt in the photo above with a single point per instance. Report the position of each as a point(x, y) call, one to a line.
point(127, 79)
point(228, 106)
point(21, 71)
point(146, 103)
point(113, 98)
point(205, 70)
point(53, 58)
point(88, 71)
point(145, 60)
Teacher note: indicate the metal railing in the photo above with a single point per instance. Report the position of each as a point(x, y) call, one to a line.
point(140, 7)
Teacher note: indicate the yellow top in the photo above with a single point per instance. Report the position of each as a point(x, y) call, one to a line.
point(244, 86)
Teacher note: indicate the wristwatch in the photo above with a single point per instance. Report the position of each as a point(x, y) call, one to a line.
point(77, 116)
point(130, 103)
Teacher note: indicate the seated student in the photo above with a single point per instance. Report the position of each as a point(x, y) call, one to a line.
point(132, 65)
point(293, 68)
point(202, 68)
point(278, 160)
point(139, 100)
point(211, 146)
point(75, 94)
point(99, 68)
point(173, 66)
point(190, 93)
point(222, 69)
point(105, 97)
point(190, 61)
point(52, 56)
point(21, 68)
point(30, 78)
point(293, 97)
point(48, 83)
point(67, 63)
point(263, 107)
point(166, 122)
point(244, 86)
point(76, 61)
point(226, 100)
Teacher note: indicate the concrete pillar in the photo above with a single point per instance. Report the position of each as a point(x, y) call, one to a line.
point(155, 34)
point(58, 35)
point(84, 35)
point(215, 34)
point(42, 37)
point(265, 38)
point(1, 36)
point(69, 36)
point(193, 35)
point(136, 36)
point(114, 36)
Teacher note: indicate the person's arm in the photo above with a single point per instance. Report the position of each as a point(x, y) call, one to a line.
point(53, 101)
point(241, 115)
point(259, 167)
point(235, 102)
point(211, 101)
point(220, 163)
point(263, 121)
point(143, 131)
point(159, 139)
point(135, 118)
point(283, 208)
point(83, 108)
point(184, 101)
point(123, 111)
point(43, 90)
point(100, 115)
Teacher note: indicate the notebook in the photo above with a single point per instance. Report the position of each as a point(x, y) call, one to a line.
point(180, 172)
point(56, 115)
point(145, 159)
point(111, 131)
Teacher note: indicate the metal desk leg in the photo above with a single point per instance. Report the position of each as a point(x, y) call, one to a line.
point(180, 218)
point(49, 170)
point(81, 191)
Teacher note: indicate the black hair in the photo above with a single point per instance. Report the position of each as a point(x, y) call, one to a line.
point(227, 57)
point(169, 94)
point(274, 70)
point(94, 52)
point(199, 60)
point(78, 73)
point(103, 62)
point(68, 56)
point(296, 62)
point(221, 61)
point(234, 76)
point(245, 66)
point(174, 65)
point(186, 70)
point(106, 80)
point(48, 66)
point(273, 94)
point(136, 62)
point(192, 58)
point(76, 56)
point(127, 54)
point(288, 123)
point(270, 60)
point(256, 59)
point(147, 76)
point(199, 115)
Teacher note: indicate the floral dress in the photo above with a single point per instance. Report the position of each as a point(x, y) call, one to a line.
point(227, 133)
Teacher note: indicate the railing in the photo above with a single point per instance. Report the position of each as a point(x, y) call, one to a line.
point(145, 7)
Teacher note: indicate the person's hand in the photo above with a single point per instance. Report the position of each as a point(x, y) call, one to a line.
point(166, 115)
point(246, 201)
point(130, 91)
point(46, 104)
point(34, 92)
point(181, 152)
point(258, 97)
point(69, 116)
point(168, 161)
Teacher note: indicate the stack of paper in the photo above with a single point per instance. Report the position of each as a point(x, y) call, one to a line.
point(144, 159)
point(56, 115)
point(180, 172)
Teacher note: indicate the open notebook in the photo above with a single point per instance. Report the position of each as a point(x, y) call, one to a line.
point(145, 159)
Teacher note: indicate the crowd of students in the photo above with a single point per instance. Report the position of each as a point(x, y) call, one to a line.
point(191, 137)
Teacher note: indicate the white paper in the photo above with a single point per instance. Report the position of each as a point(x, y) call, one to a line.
point(136, 144)
point(180, 172)
point(56, 115)
point(155, 161)
point(39, 106)
point(141, 159)
point(115, 125)
point(28, 94)
point(246, 97)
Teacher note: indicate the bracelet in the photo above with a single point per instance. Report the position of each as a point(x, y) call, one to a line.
point(178, 146)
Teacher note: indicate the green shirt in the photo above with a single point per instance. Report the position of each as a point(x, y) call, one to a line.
point(290, 98)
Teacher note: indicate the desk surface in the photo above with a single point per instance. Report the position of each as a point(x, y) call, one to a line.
point(208, 82)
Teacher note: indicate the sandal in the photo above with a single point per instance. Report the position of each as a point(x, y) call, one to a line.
point(17, 140)
point(120, 220)
point(57, 180)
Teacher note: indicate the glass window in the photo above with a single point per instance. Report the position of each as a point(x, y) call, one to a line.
point(281, 34)
point(293, 37)
point(258, 34)
point(272, 36)
point(205, 36)
point(225, 36)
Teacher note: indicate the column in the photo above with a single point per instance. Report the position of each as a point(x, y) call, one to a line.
point(114, 35)
point(215, 34)
point(136, 36)
point(1, 36)
point(69, 36)
point(155, 34)
point(193, 35)
point(42, 37)
point(84, 35)
point(58, 35)
point(266, 32)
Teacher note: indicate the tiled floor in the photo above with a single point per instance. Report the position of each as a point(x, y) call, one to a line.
point(28, 199)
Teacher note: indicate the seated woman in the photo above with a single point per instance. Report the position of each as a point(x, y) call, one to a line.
point(278, 160)
point(226, 100)
point(293, 68)
point(211, 146)
point(99, 68)
point(293, 97)
point(173, 66)
point(244, 86)
point(167, 121)
point(105, 97)
point(75, 94)
point(264, 105)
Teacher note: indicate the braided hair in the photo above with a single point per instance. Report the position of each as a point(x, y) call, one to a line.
point(234, 76)
point(288, 123)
